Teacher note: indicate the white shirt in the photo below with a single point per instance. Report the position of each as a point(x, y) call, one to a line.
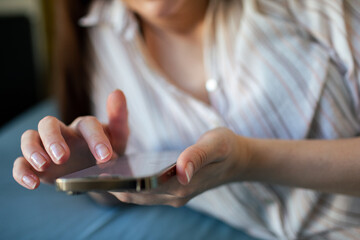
point(277, 69)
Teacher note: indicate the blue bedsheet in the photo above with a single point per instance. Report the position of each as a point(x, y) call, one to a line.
point(47, 214)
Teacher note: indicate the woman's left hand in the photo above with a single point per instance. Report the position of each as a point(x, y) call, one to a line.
point(220, 156)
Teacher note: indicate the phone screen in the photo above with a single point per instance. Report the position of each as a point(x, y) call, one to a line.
point(130, 166)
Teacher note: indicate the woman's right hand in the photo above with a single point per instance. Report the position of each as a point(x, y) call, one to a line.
point(56, 149)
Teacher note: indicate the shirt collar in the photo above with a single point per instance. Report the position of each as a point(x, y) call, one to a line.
point(113, 13)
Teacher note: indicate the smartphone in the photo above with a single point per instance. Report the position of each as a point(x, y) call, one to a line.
point(134, 172)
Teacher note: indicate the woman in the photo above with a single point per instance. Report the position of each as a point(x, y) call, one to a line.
point(244, 85)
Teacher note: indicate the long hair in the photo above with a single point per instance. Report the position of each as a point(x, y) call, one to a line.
point(70, 52)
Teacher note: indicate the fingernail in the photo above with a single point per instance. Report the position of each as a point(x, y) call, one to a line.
point(29, 181)
point(38, 159)
point(102, 151)
point(57, 151)
point(189, 171)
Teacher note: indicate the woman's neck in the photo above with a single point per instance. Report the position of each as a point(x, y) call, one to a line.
point(174, 43)
point(185, 20)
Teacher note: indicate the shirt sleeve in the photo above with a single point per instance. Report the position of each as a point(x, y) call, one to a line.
point(336, 26)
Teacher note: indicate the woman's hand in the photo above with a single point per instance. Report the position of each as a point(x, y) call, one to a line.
point(56, 149)
point(220, 156)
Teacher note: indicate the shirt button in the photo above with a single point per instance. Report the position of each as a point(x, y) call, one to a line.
point(216, 123)
point(211, 85)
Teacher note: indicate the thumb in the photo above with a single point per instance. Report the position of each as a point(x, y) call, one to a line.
point(212, 147)
point(118, 120)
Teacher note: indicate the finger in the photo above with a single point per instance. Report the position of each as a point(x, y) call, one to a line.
point(33, 150)
point(144, 198)
point(118, 120)
point(212, 146)
point(93, 133)
point(50, 131)
point(24, 174)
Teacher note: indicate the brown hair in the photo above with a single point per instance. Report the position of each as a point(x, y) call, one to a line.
point(69, 71)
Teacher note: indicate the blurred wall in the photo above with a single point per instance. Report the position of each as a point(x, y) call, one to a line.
point(24, 55)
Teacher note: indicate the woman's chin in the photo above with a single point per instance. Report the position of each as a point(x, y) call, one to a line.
point(155, 8)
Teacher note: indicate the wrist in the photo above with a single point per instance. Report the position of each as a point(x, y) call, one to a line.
point(243, 159)
point(268, 160)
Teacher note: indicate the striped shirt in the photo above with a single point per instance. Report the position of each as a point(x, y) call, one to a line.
point(287, 69)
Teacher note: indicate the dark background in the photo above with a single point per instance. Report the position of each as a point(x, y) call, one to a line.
point(19, 80)
point(25, 55)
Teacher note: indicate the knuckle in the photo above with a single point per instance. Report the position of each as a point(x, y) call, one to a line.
point(223, 140)
point(223, 147)
point(47, 120)
point(79, 119)
point(76, 121)
point(27, 134)
point(88, 119)
point(85, 121)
